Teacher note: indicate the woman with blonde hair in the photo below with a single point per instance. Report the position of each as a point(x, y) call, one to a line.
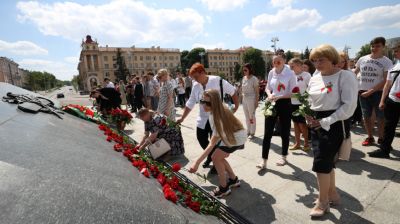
point(228, 136)
point(333, 98)
point(166, 101)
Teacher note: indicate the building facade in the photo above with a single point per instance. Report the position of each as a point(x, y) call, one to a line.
point(9, 72)
point(222, 62)
point(97, 63)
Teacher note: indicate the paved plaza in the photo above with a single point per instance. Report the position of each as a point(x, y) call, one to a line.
point(369, 187)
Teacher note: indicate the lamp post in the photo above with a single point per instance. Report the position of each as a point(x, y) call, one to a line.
point(274, 40)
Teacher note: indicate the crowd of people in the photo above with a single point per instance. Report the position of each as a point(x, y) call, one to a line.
point(339, 94)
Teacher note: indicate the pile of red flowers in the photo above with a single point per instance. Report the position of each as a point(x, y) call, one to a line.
point(174, 189)
point(118, 115)
point(88, 112)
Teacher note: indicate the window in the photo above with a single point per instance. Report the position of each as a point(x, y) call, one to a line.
point(154, 58)
point(114, 65)
point(105, 58)
point(171, 58)
point(141, 65)
point(177, 58)
point(135, 58)
point(166, 65)
point(107, 74)
point(215, 57)
point(155, 65)
point(141, 58)
point(106, 66)
point(114, 58)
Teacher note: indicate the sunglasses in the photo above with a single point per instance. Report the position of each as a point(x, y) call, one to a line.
point(208, 103)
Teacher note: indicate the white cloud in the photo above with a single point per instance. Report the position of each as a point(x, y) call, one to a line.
point(286, 19)
point(281, 3)
point(223, 5)
point(62, 70)
point(209, 46)
point(123, 22)
point(382, 17)
point(22, 48)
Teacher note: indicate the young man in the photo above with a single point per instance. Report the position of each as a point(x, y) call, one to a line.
point(372, 72)
point(201, 83)
point(390, 102)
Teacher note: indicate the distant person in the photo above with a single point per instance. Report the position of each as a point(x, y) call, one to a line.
point(138, 95)
point(146, 89)
point(333, 99)
point(154, 87)
point(156, 129)
point(108, 83)
point(188, 86)
point(390, 104)
point(250, 94)
point(181, 92)
point(372, 71)
point(299, 122)
point(166, 104)
point(228, 135)
point(122, 91)
point(203, 82)
point(308, 66)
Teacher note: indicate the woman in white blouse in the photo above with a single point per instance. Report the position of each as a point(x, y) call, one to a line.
point(299, 122)
point(333, 99)
point(281, 81)
point(250, 94)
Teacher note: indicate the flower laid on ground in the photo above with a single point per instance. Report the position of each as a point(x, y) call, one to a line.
point(328, 88)
point(118, 115)
point(305, 107)
point(83, 112)
point(174, 189)
point(269, 108)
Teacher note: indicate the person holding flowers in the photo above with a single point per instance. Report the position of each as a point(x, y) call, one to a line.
point(300, 127)
point(158, 126)
point(281, 81)
point(333, 99)
point(228, 135)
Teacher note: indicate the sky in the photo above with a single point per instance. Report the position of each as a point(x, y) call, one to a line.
point(47, 35)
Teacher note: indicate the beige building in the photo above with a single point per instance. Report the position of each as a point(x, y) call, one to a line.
point(97, 63)
point(9, 72)
point(223, 62)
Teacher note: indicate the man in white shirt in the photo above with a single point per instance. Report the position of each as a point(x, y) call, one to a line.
point(108, 83)
point(390, 102)
point(372, 72)
point(202, 82)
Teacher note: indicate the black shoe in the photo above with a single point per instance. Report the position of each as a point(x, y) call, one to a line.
point(380, 141)
point(206, 164)
point(221, 192)
point(379, 153)
point(213, 170)
point(233, 183)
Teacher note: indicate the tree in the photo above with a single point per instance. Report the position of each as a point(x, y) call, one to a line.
point(254, 57)
point(42, 81)
point(289, 55)
point(237, 72)
point(184, 61)
point(122, 72)
point(194, 56)
point(306, 54)
point(364, 50)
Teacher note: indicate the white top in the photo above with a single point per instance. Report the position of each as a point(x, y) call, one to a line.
point(197, 94)
point(181, 88)
point(325, 95)
point(240, 136)
point(249, 86)
point(281, 84)
point(174, 83)
point(302, 81)
point(372, 71)
point(396, 85)
point(110, 85)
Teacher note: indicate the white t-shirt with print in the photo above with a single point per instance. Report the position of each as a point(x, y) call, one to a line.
point(281, 84)
point(396, 85)
point(372, 71)
point(302, 81)
point(240, 136)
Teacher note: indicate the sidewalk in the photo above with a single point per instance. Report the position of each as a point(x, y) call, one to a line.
point(370, 188)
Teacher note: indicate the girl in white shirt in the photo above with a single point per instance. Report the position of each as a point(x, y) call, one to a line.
point(281, 81)
point(333, 98)
point(228, 136)
point(300, 127)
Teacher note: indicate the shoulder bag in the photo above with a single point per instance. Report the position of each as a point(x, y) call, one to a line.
point(159, 148)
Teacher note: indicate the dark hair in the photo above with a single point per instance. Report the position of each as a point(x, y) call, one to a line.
point(310, 65)
point(106, 79)
point(378, 40)
point(280, 52)
point(249, 67)
point(150, 73)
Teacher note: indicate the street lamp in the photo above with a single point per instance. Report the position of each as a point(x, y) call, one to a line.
point(274, 40)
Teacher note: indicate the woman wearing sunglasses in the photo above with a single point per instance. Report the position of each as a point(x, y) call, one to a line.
point(228, 135)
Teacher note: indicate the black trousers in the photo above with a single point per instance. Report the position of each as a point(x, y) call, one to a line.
point(392, 115)
point(284, 112)
point(203, 136)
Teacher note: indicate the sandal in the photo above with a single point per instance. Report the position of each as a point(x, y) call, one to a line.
point(294, 147)
point(262, 166)
point(319, 210)
point(282, 162)
point(306, 148)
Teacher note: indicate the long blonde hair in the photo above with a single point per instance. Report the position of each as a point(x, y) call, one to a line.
point(224, 120)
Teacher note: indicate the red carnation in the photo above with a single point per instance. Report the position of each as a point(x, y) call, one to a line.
point(163, 122)
point(135, 163)
point(195, 206)
point(145, 172)
point(296, 90)
point(118, 147)
point(109, 138)
point(127, 153)
point(176, 167)
point(89, 112)
point(398, 95)
point(161, 179)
